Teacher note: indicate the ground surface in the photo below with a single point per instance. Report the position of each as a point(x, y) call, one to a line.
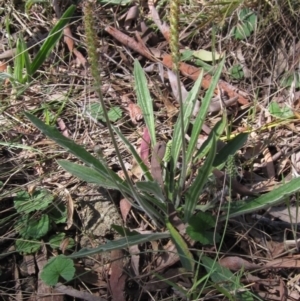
point(259, 93)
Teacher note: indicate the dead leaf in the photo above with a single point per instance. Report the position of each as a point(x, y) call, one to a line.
point(135, 112)
point(3, 66)
point(289, 215)
point(70, 209)
point(269, 163)
point(235, 263)
point(173, 82)
point(68, 39)
point(135, 259)
point(131, 16)
point(156, 159)
point(163, 27)
point(194, 72)
point(117, 278)
point(125, 207)
point(62, 126)
point(145, 147)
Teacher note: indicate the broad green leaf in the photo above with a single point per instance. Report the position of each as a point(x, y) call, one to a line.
point(96, 112)
point(59, 266)
point(199, 226)
point(55, 240)
point(144, 99)
point(120, 244)
point(39, 200)
point(27, 247)
point(246, 25)
point(31, 227)
point(197, 127)
point(57, 213)
point(53, 37)
point(216, 132)
point(184, 253)
point(114, 114)
point(194, 191)
point(230, 149)
point(206, 56)
point(186, 55)
point(272, 198)
point(283, 112)
point(19, 62)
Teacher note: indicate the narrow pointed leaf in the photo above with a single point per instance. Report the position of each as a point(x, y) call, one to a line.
point(144, 99)
point(272, 198)
point(53, 37)
point(195, 189)
point(188, 108)
point(184, 253)
point(120, 244)
point(197, 127)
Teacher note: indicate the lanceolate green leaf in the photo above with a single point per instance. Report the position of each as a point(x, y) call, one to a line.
point(230, 149)
point(184, 253)
point(197, 127)
point(53, 37)
point(265, 201)
point(120, 244)
point(195, 189)
point(69, 145)
point(215, 132)
point(188, 107)
point(89, 175)
point(144, 99)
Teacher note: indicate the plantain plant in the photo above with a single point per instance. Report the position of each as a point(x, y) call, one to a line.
point(175, 196)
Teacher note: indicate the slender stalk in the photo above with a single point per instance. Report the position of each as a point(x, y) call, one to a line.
point(95, 70)
point(174, 45)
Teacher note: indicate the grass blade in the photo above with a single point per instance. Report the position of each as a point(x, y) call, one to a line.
point(53, 37)
point(144, 99)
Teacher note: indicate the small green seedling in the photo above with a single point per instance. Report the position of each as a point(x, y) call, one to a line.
point(237, 72)
point(282, 112)
point(246, 25)
point(96, 112)
point(39, 214)
point(59, 266)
